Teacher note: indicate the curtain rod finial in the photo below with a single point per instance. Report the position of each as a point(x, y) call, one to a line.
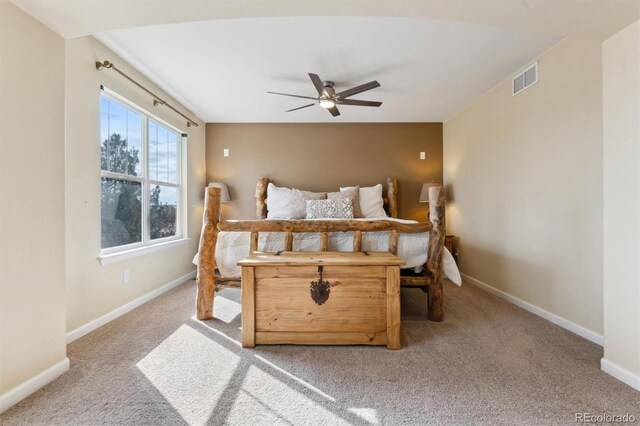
point(105, 64)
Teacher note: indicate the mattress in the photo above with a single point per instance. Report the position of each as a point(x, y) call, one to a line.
point(234, 246)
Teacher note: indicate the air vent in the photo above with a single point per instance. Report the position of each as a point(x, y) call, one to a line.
point(525, 79)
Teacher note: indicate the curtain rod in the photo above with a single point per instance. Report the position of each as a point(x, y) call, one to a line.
point(157, 99)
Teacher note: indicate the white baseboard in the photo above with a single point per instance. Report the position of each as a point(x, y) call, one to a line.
point(620, 373)
point(556, 319)
point(23, 390)
point(104, 319)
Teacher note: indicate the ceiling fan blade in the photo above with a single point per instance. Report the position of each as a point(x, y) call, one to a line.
point(358, 89)
point(317, 82)
point(334, 111)
point(294, 96)
point(304, 106)
point(359, 103)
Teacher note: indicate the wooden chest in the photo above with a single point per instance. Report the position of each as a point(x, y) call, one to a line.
point(321, 298)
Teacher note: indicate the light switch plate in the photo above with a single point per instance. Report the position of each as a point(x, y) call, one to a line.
point(423, 155)
point(226, 152)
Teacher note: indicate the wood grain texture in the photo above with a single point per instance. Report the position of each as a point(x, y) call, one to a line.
point(393, 242)
point(354, 304)
point(261, 197)
point(320, 338)
point(393, 308)
point(207, 254)
point(362, 289)
point(255, 236)
point(322, 226)
point(322, 258)
point(324, 241)
point(357, 241)
point(392, 196)
point(248, 308)
point(288, 241)
point(414, 281)
point(434, 257)
point(329, 271)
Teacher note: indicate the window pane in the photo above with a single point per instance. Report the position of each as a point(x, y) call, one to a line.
point(121, 212)
point(120, 138)
point(164, 208)
point(134, 143)
point(172, 155)
point(163, 153)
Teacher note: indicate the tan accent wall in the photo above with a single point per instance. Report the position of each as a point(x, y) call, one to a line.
point(32, 302)
point(94, 290)
point(323, 157)
point(525, 173)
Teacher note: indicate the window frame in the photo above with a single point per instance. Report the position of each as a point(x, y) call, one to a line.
point(145, 181)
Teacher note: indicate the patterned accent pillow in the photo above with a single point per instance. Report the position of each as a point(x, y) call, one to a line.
point(353, 193)
point(299, 202)
point(341, 208)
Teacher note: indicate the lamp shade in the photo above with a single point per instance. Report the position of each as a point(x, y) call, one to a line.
point(424, 194)
point(224, 191)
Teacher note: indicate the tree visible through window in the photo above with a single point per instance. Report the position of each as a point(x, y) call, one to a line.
point(140, 185)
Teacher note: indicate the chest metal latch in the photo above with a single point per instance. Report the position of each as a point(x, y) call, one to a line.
point(320, 289)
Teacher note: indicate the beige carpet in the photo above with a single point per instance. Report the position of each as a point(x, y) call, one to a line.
point(489, 362)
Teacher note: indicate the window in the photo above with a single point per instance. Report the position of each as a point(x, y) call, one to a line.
point(140, 177)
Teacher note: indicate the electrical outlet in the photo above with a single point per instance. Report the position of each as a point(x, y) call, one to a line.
point(125, 276)
point(226, 152)
point(423, 155)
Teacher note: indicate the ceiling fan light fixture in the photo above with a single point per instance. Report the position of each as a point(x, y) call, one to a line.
point(327, 103)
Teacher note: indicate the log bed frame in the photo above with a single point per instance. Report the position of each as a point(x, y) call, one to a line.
point(430, 281)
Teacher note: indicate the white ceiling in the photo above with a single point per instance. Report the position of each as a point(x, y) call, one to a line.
point(595, 19)
point(428, 69)
point(432, 57)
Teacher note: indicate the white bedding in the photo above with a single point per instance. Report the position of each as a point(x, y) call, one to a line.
point(234, 246)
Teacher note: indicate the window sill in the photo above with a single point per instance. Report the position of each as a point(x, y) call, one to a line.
point(107, 259)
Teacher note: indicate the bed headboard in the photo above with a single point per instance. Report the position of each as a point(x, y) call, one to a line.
point(390, 197)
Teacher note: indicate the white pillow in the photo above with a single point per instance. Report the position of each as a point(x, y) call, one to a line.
point(371, 203)
point(279, 202)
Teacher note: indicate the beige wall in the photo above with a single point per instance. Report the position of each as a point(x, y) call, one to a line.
point(323, 157)
point(526, 178)
point(32, 297)
point(94, 290)
point(621, 110)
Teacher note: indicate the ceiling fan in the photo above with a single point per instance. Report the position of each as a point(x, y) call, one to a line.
point(329, 99)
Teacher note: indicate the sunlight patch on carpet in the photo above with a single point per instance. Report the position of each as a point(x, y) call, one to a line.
point(295, 378)
point(367, 414)
point(266, 400)
point(191, 372)
point(226, 309)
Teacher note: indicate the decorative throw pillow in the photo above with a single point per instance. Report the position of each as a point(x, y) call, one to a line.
point(371, 203)
point(278, 202)
point(299, 201)
point(353, 194)
point(341, 208)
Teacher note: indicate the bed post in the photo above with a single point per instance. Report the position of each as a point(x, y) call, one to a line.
point(261, 197)
point(392, 196)
point(434, 258)
point(207, 254)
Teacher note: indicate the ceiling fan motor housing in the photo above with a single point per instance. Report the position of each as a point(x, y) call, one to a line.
point(328, 87)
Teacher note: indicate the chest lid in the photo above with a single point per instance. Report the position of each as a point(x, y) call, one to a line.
point(329, 258)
